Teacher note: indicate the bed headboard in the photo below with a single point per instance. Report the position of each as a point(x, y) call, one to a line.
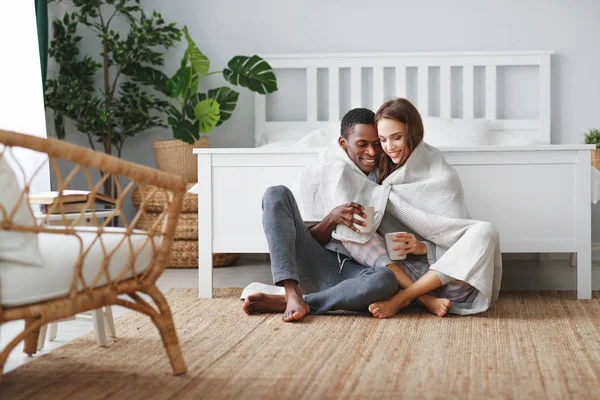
point(383, 68)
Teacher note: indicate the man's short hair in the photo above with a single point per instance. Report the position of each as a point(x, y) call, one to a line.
point(355, 117)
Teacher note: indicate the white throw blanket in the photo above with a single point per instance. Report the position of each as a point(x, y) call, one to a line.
point(425, 197)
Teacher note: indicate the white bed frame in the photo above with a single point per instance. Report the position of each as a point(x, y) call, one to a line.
point(537, 196)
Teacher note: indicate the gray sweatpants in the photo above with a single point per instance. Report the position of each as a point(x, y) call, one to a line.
point(296, 255)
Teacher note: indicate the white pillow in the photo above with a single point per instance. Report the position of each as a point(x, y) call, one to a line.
point(450, 132)
point(292, 135)
point(16, 248)
point(315, 139)
point(261, 139)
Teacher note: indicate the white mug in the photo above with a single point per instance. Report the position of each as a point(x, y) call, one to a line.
point(390, 244)
point(370, 212)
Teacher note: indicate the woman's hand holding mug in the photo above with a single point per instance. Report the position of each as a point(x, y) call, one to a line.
point(407, 243)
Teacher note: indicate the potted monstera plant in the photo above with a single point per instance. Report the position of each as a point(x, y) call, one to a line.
point(194, 114)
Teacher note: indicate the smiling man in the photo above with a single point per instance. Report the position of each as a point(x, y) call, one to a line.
point(316, 271)
point(359, 139)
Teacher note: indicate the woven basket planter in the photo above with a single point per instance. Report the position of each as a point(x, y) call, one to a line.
point(184, 254)
point(158, 201)
point(176, 157)
point(596, 158)
point(187, 225)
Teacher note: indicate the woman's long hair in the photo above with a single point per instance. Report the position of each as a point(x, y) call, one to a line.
point(403, 111)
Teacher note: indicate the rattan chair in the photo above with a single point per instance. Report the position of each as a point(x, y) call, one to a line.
point(108, 262)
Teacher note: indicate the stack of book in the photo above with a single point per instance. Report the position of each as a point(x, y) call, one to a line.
point(72, 201)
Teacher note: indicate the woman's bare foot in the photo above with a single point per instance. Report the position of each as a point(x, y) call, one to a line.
point(389, 308)
point(296, 307)
point(435, 305)
point(264, 303)
point(295, 311)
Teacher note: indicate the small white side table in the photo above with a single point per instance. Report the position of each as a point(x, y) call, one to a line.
point(102, 318)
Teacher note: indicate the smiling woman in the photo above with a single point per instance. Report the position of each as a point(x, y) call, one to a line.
point(400, 129)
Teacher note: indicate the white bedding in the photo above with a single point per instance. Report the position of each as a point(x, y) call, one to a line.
point(315, 138)
point(439, 132)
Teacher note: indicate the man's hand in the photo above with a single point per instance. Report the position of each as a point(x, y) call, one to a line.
point(344, 215)
point(412, 246)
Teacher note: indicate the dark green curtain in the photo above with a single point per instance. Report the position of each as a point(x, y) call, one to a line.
point(41, 16)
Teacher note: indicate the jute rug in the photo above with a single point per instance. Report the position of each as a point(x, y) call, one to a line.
point(532, 345)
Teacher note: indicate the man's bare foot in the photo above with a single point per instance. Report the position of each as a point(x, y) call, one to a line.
point(435, 305)
point(296, 307)
point(389, 308)
point(264, 303)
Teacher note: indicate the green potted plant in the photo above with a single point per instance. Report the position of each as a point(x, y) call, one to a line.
point(593, 137)
point(120, 108)
point(193, 114)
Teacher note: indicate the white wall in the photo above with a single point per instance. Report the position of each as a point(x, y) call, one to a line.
point(21, 95)
point(226, 28)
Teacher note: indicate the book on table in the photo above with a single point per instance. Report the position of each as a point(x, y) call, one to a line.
point(72, 201)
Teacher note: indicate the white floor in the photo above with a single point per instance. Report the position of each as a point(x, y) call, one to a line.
point(529, 274)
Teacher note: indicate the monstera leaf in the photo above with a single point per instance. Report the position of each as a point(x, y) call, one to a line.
point(186, 131)
point(147, 76)
point(226, 97)
point(200, 63)
point(183, 82)
point(207, 114)
point(253, 73)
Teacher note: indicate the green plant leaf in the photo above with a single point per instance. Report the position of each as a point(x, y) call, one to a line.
point(207, 113)
point(227, 99)
point(147, 76)
point(253, 73)
point(186, 131)
point(183, 80)
point(225, 96)
point(593, 137)
point(200, 63)
point(195, 99)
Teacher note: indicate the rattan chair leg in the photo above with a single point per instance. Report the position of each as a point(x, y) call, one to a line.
point(3, 358)
point(31, 340)
point(168, 333)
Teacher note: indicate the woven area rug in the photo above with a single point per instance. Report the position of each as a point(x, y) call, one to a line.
point(530, 345)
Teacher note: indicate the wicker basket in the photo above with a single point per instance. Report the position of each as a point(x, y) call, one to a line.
point(596, 158)
point(158, 201)
point(176, 157)
point(187, 225)
point(184, 254)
